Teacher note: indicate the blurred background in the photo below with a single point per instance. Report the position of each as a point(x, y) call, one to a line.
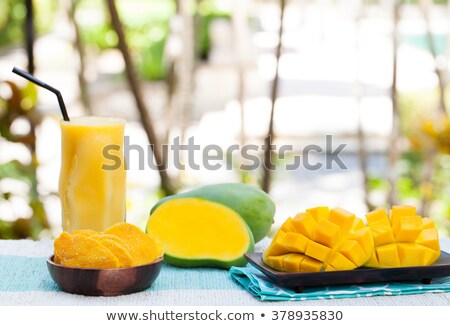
point(373, 74)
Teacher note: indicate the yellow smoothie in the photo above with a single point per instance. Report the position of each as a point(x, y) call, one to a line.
point(92, 197)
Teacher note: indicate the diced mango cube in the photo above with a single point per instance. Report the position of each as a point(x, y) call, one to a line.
point(305, 224)
point(398, 211)
point(373, 261)
point(411, 254)
point(358, 224)
point(311, 265)
point(329, 268)
point(319, 212)
point(339, 262)
point(287, 226)
point(364, 238)
point(276, 247)
point(295, 242)
point(317, 251)
point(377, 215)
point(431, 256)
point(429, 238)
point(353, 252)
point(276, 262)
point(407, 228)
point(428, 223)
point(344, 219)
point(381, 232)
point(388, 255)
point(327, 233)
point(292, 262)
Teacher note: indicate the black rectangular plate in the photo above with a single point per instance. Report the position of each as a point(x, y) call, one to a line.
point(298, 281)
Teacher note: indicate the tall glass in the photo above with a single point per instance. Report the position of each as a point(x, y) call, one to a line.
point(92, 178)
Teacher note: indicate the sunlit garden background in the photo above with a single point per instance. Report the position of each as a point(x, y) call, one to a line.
point(373, 74)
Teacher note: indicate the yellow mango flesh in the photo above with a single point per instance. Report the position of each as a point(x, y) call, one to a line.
point(320, 239)
point(83, 252)
point(405, 239)
point(193, 229)
point(142, 248)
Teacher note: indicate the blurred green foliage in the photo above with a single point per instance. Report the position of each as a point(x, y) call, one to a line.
point(21, 104)
point(146, 22)
point(147, 26)
point(12, 16)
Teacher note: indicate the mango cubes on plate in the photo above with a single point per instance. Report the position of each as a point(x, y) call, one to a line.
point(330, 240)
point(320, 240)
point(122, 245)
point(404, 239)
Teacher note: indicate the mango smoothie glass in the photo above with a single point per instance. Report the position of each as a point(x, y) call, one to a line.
point(92, 186)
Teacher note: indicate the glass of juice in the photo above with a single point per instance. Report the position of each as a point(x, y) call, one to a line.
point(92, 177)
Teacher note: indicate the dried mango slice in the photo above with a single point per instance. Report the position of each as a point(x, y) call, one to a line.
point(404, 239)
point(83, 252)
point(142, 248)
point(320, 239)
point(117, 247)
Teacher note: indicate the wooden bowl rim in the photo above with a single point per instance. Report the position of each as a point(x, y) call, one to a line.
point(51, 262)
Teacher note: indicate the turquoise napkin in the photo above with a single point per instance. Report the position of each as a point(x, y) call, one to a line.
point(260, 286)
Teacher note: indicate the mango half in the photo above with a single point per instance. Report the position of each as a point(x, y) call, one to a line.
point(320, 240)
point(405, 239)
point(252, 204)
point(196, 232)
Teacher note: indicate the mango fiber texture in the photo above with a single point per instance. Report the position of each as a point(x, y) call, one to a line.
point(122, 245)
point(403, 239)
point(320, 240)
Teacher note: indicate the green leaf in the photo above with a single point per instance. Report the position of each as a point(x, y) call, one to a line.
point(16, 170)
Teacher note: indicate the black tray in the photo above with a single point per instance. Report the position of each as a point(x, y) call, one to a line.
point(298, 281)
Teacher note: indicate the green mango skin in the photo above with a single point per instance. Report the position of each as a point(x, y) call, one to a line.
point(252, 204)
point(213, 263)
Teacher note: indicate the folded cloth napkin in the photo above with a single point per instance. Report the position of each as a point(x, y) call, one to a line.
point(262, 288)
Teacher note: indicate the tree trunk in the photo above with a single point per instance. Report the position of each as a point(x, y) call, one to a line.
point(29, 35)
point(78, 45)
point(146, 120)
point(268, 152)
point(395, 134)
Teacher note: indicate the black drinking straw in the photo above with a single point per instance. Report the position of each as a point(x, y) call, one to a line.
point(36, 81)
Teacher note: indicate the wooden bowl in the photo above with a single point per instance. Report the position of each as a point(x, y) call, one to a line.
point(104, 282)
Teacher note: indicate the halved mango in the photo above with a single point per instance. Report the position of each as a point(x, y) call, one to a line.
point(199, 233)
point(320, 239)
point(404, 239)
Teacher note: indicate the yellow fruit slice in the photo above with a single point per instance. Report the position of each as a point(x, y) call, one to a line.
point(83, 252)
point(142, 248)
point(117, 247)
point(405, 239)
point(320, 239)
